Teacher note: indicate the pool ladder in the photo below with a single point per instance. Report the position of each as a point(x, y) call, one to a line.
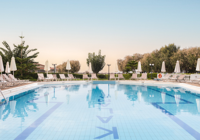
point(3, 95)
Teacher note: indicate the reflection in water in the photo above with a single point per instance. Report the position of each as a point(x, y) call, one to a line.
point(116, 92)
point(134, 88)
point(144, 88)
point(46, 96)
point(12, 106)
point(54, 94)
point(175, 90)
point(139, 95)
point(177, 99)
point(95, 97)
point(130, 92)
point(163, 97)
point(19, 107)
point(168, 89)
point(2, 107)
point(108, 91)
point(182, 90)
point(198, 104)
point(67, 98)
point(73, 88)
point(62, 87)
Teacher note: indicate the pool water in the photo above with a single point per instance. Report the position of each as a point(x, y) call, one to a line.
point(104, 111)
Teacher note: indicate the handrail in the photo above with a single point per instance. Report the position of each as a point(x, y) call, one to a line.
point(3, 95)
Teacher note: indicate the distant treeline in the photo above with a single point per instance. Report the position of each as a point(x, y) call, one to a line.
point(170, 54)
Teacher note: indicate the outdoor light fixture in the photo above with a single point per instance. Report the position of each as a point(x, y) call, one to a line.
point(151, 65)
point(54, 67)
point(108, 71)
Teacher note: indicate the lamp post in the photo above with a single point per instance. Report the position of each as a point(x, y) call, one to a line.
point(151, 65)
point(54, 67)
point(108, 71)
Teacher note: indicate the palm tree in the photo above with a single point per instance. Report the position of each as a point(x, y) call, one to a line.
point(6, 53)
point(24, 60)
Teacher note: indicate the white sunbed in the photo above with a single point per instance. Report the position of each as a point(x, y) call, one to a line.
point(120, 76)
point(15, 79)
point(6, 78)
point(144, 76)
point(50, 77)
point(55, 77)
point(41, 77)
point(62, 77)
point(71, 77)
point(94, 76)
point(134, 76)
point(166, 77)
point(181, 78)
point(85, 76)
point(4, 83)
point(174, 77)
point(112, 76)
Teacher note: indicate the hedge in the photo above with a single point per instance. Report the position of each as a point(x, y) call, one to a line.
point(34, 76)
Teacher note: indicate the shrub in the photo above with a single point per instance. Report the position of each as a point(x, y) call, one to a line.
point(102, 76)
point(154, 75)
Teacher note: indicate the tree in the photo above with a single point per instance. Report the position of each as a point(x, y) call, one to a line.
point(187, 59)
point(129, 62)
point(131, 65)
point(97, 61)
point(6, 53)
point(157, 56)
point(24, 61)
point(75, 66)
point(62, 67)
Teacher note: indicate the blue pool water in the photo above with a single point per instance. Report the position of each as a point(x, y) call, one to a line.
point(101, 110)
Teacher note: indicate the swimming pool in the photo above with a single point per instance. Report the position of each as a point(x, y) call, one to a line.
point(102, 110)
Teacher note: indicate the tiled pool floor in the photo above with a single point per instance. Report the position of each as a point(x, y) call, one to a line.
point(102, 111)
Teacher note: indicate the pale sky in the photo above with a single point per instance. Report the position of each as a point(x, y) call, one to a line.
point(70, 29)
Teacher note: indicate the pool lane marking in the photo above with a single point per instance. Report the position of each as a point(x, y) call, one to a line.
point(170, 95)
point(104, 119)
point(114, 131)
point(186, 127)
point(36, 123)
point(182, 124)
point(110, 132)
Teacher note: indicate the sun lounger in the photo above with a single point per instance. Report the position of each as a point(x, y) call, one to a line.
point(120, 76)
point(6, 78)
point(85, 76)
point(144, 76)
point(112, 76)
point(134, 76)
point(94, 76)
point(55, 77)
point(195, 80)
point(50, 77)
point(181, 78)
point(41, 77)
point(71, 77)
point(166, 77)
point(62, 77)
point(14, 79)
point(4, 83)
point(174, 77)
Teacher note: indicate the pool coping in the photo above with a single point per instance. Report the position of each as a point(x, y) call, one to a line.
point(16, 90)
point(160, 83)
